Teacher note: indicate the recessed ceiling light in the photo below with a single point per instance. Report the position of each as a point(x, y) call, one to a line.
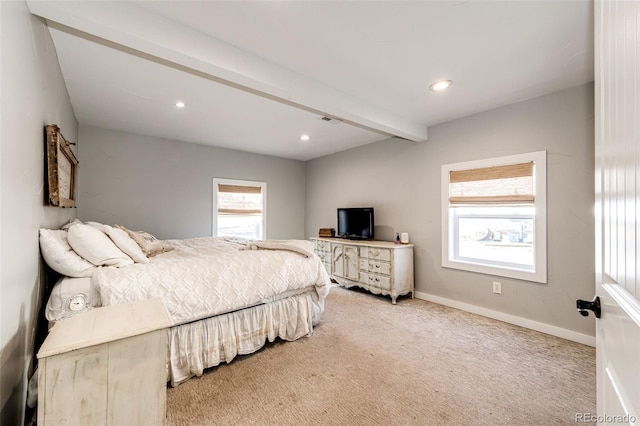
point(440, 85)
point(180, 104)
point(304, 138)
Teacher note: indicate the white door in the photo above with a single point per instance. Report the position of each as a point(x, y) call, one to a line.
point(617, 161)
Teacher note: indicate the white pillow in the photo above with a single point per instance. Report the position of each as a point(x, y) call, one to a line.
point(96, 247)
point(126, 244)
point(149, 244)
point(66, 226)
point(98, 226)
point(58, 306)
point(60, 256)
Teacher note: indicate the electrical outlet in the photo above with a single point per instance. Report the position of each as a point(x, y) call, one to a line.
point(497, 287)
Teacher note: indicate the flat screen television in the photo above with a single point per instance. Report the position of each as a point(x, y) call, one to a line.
point(355, 223)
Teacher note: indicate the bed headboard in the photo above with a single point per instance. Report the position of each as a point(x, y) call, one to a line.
point(48, 278)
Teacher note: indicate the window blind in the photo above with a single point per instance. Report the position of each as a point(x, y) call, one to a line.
point(507, 184)
point(239, 189)
point(239, 199)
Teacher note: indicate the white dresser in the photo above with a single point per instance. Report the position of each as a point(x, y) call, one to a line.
point(380, 267)
point(106, 366)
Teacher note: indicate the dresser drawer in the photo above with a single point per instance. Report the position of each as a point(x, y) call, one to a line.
point(376, 253)
point(323, 250)
point(375, 280)
point(322, 245)
point(370, 265)
point(325, 257)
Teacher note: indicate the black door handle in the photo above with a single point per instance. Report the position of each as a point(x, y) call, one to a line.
point(584, 306)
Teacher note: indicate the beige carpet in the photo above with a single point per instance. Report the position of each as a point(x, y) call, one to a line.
point(415, 363)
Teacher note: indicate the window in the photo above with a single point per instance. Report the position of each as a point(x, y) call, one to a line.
point(239, 209)
point(494, 216)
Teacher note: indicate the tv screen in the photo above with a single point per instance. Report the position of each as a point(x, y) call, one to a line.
point(355, 223)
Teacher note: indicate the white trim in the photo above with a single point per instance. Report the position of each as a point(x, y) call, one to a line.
point(540, 160)
point(214, 201)
point(563, 333)
point(627, 301)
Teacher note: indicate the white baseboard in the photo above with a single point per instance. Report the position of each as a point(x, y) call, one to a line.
point(585, 339)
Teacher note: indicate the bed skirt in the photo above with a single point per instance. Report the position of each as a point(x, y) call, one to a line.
point(206, 343)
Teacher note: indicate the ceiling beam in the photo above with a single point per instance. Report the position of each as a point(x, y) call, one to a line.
point(139, 30)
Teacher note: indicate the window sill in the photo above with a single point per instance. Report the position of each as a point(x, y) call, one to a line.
point(520, 274)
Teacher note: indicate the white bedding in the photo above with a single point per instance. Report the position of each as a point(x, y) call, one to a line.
point(202, 277)
point(58, 306)
point(198, 345)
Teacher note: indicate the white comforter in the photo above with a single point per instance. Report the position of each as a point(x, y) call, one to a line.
point(202, 277)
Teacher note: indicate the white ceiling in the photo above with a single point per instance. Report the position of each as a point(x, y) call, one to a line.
point(257, 75)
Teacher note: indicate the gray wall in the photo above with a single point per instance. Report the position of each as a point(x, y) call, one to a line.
point(402, 181)
point(33, 94)
point(165, 187)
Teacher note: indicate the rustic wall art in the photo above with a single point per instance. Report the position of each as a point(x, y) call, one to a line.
point(61, 168)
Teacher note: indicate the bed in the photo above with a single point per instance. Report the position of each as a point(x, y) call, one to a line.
point(225, 296)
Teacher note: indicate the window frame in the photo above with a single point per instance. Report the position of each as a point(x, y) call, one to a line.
point(238, 182)
point(449, 229)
